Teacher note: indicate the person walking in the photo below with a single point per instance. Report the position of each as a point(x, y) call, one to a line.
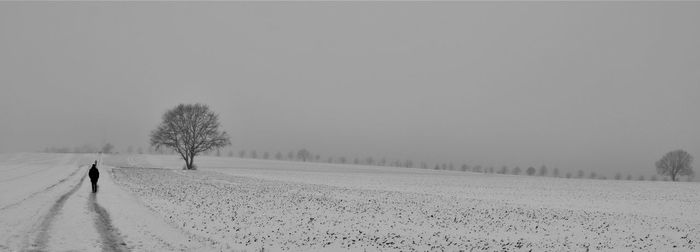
point(94, 174)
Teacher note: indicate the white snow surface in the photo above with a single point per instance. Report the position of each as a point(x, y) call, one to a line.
point(246, 204)
point(46, 204)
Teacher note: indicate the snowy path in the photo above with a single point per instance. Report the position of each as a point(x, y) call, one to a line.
point(67, 216)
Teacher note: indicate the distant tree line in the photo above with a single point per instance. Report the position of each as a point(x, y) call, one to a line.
point(107, 148)
point(304, 155)
point(671, 166)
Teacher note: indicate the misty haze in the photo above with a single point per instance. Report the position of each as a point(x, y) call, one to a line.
point(349, 126)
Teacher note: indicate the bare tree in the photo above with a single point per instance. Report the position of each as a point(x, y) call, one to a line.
point(641, 178)
point(266, 155)
point(342, 160)
point(477, 168)
point(593, 175)
point(504, 170)
point(254, 154)
point(568, 175)
point(629, 176)
point(303, 155)
point(618, 176)
point(278, 156)
point(530, 171)
point(189, 130)
point(517, 170)
point(542, 171)
point(107, 148)
point(290, 155)
point(241, 154)
point(555, 172)
point(675, 163)
point(580, 174)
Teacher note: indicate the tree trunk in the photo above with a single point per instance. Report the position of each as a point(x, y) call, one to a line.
point(190, 166)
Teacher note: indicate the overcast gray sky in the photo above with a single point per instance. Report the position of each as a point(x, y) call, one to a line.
point(595, 86)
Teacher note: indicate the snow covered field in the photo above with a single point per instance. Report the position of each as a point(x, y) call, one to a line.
point(46, 204)
point(255, 204)
point(232, 204)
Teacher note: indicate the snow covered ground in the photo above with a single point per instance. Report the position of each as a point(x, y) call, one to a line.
point(46, 204)
point(255, 204)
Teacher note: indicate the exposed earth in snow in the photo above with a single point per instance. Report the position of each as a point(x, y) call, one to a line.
point(147, 203)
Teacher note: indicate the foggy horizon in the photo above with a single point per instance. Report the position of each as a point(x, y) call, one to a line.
point(602, 87)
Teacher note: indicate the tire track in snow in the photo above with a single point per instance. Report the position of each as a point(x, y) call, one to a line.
point(27, 163)
point(42, 239)
point(111, 240)
point(27, 174)
point(42, 191)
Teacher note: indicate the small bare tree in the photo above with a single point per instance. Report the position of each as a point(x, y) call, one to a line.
point(517, 170)
point(303, 155)
point(593, 176)
point(107, 148)
point(504, 170)
point(189, 129)
point(675, 163)
point(530, 171)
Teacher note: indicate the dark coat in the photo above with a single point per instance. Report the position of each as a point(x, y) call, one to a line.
point(94, 174)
